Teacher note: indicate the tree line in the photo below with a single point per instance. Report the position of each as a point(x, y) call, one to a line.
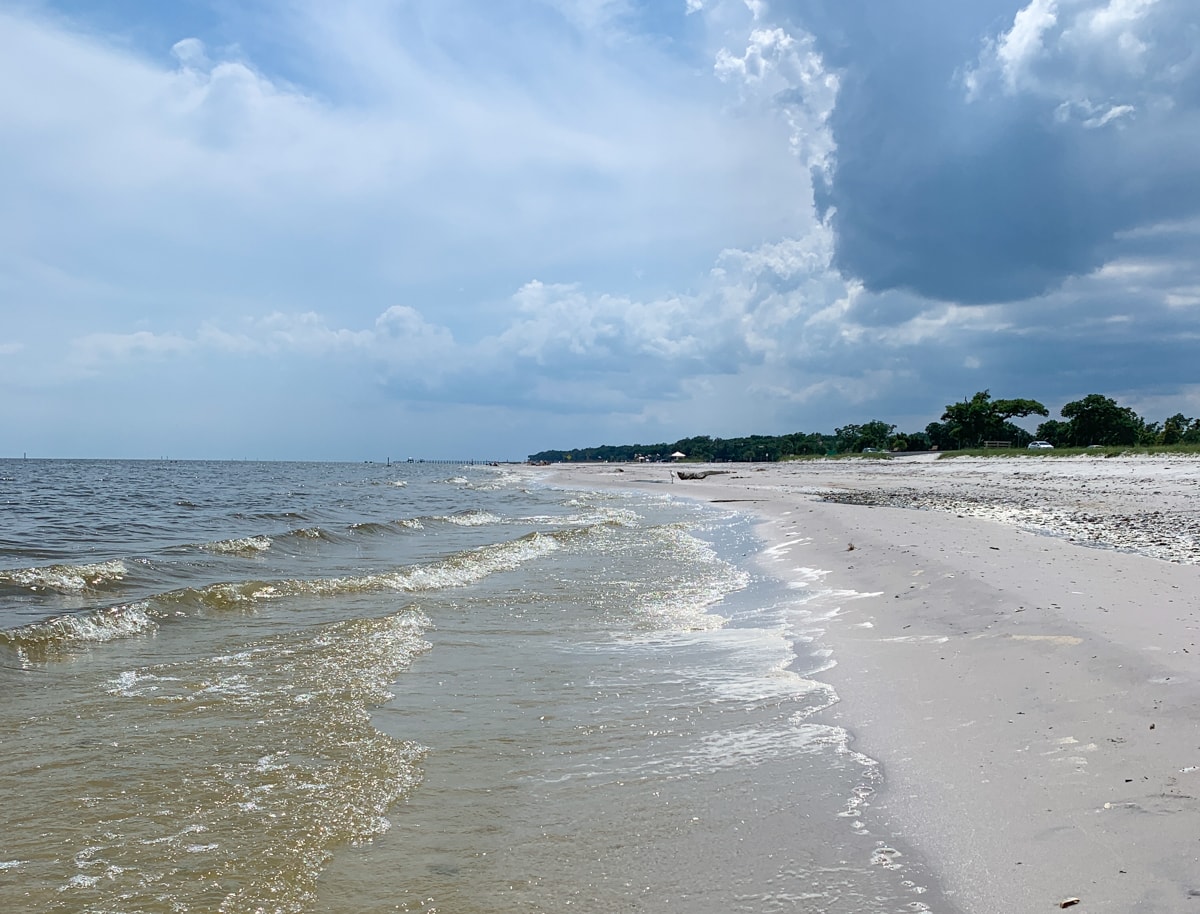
point(970, 423)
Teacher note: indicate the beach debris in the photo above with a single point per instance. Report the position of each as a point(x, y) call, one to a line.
point(699, 474)
point(1068, 902)
point(850, 547)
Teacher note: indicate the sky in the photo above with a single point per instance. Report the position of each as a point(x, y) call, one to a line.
point(294, 229)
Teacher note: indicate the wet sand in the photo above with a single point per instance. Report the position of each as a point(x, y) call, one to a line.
point(1017, 642)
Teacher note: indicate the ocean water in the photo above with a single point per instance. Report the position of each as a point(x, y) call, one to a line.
point(312, 687)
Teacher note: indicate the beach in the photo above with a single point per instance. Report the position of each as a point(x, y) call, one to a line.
point(1016, 642)
point(863, 687)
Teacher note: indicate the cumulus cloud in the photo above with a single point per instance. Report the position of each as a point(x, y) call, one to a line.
point(562, 323)
point(1095, 59)
point(787, 72)
point(1018, 49)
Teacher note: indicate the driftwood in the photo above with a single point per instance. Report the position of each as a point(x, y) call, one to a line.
point(698, 474)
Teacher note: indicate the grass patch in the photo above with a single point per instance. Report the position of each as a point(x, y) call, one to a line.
point(1105, 451)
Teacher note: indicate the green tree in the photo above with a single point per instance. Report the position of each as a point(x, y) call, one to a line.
point(1177, 429)
point(1014, 434)
point(1097, 419)
point(877, 434)
point(853, 438)
point(918, 441)
point(939, 436)
point(811, 443)
point(1056, 432)
point(701, 447)
point(847, 438)
point(969, 423)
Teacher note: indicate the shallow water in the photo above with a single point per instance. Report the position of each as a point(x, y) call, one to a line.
point(339, 687)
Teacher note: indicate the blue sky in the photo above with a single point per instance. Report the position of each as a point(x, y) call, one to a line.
point(296, 229)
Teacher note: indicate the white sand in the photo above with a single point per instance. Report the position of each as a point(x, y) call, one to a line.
point(1033, 699)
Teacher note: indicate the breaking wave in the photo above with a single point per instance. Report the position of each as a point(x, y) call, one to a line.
point(68, 579)
point(39, 640)
point(64, 632)
point(457, 570)
point(471, 518)
point(246, 546)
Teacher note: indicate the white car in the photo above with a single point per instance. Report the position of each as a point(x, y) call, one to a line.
point(1039, 445)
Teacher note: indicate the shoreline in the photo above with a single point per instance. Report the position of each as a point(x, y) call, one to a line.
point(1030, 697)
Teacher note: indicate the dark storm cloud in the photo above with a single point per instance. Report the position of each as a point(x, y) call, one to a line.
point(973, 172)
point(886, 309)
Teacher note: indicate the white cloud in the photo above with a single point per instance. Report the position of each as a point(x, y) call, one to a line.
point(399, 339)
point(1089, 115)
point(562, 323)
point(413, 160)
point(1117, 25)
point(405, 325)
point(758, 9)
point(1184, 297)
point(190, 52)
point(308, 333)
point(787, 258)
point(1097, 60)
point(787, 73)
point(1020, 47)
point(96, 353)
